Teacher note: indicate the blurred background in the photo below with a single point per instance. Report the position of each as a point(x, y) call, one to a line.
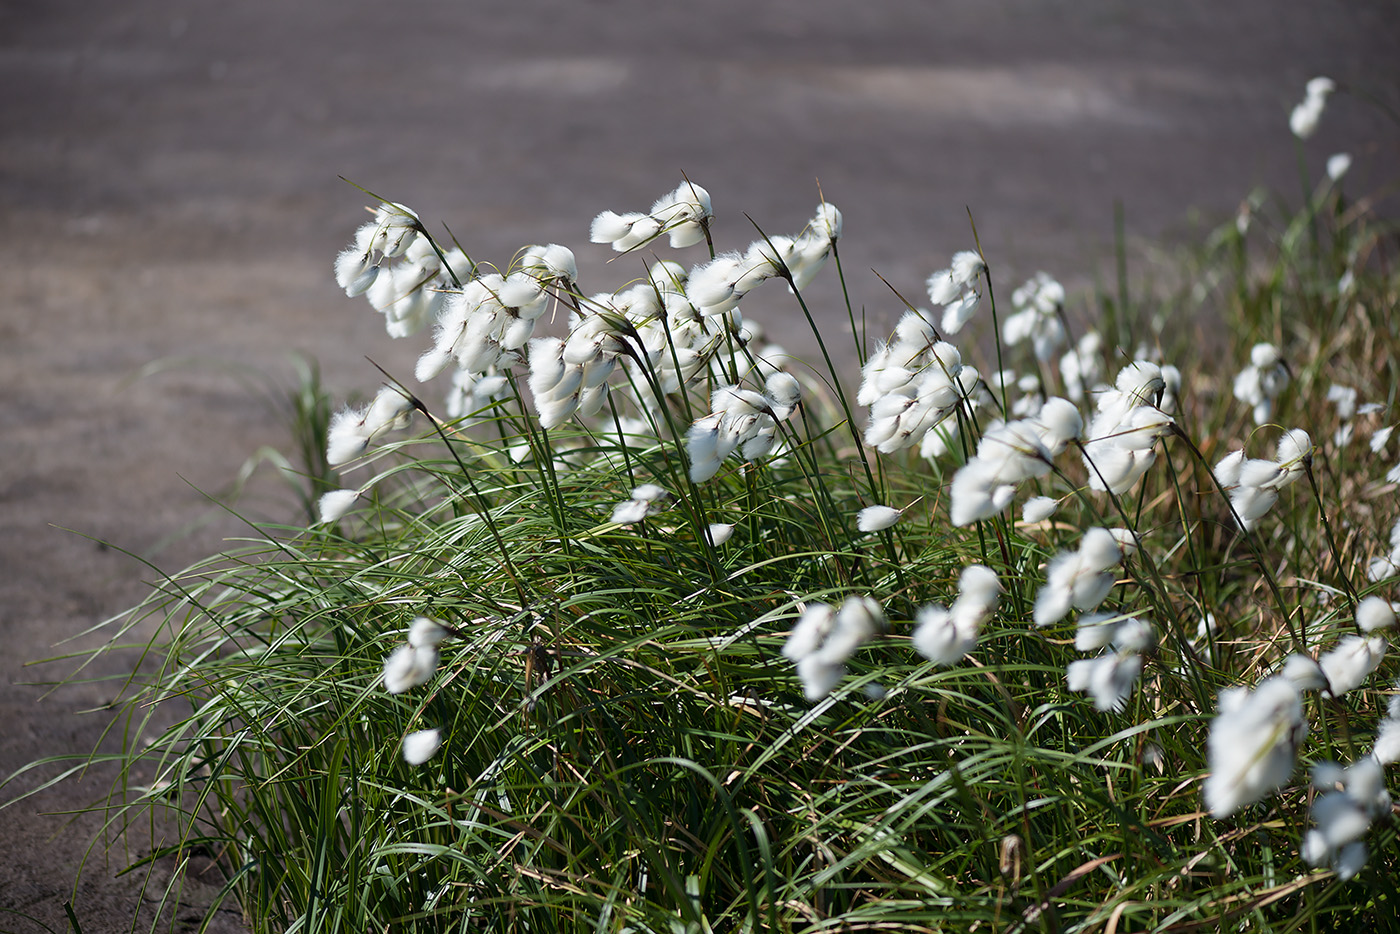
point(171, 202)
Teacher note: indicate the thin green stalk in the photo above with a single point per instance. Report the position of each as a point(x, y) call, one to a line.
point(1331, 539)
point(1163, 596)
point(1309, 205)
point(856, 333)
point(543, 455)
point(836, 384)
point(694, 501)
point(1045, 908)
point(1299, 643)
point(483, 506)
point(996, 325)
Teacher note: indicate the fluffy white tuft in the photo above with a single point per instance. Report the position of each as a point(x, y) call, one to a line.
point(335, 504)
point(421, 745)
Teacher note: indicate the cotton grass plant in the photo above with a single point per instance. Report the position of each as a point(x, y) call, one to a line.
point(652, 628)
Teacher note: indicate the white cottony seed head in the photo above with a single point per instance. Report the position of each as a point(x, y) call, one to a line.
point(426, 632)
point(1349, 664)
point(1337, 165)
point(1375, 613)
point(939, 638)
point(648, 492)
point(1253, 744)
point(409, 666)
point(876, 518)
point(824, 638)
point(1304, 673)
point(1038, 509)
point(630, 511)
point(420, 746)
point(1387, 749)
point(336, 503)
point(719, 533)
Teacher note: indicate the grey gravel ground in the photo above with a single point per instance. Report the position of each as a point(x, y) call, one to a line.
point(169, 192)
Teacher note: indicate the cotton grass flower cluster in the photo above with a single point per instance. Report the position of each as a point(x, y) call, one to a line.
point(1307, 113)
point(410, 291)
point(719, 532)
point(353, 430)
point(1386, 565)
point(877, 518)
point(421, 745)
point(1080, 579)
point(1254, 484)
point(912, 384)
point(719, 285)
point(1347, 665)
point(1374, 613)
point(471, 392)
point(664, 331)
point(825, 638)
point(1344, 398)
point(1352, 798)
point(945, 635)
point(1009, 454)
point(958, 289)
point(1109, 677)
point(1262, 381)
point(415, 662)
point(1039, 305)
point(1338, 164)
point(394, 229)
point(683, 215)
point(1387, 746)
point(1253, 744)
point(1038, 508)
point(740, 421)
point(1350, 663)
point(812, 246)
point(485, 325)
point(1080, 367)
point(569, 376)
point(798, 258)
point(672, 324)
point(1120, 441)
point(644, 501)
point(1023, 390)
point(675, 340)
point(335, 504)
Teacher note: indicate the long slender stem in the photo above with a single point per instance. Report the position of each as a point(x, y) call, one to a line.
point(1164, 602)
point(1299, 642)
point(857, 334)
point(1331, 539)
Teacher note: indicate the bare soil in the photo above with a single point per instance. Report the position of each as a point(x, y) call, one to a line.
point(169, 195)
